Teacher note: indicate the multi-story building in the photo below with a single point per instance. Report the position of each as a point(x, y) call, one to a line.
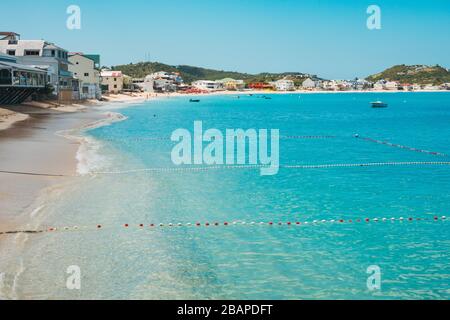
point(309, 84)
point(207, 85)
point(18, 82)
point(232, 84)
point(112, 81)
point(43, 55)
point(284, 85)
point(85, 68)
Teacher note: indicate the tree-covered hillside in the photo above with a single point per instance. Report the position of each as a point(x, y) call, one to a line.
point(419, 74)
point(191, 73)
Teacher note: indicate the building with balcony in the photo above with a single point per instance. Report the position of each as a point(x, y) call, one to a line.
point(18, 82)
point(44, 55)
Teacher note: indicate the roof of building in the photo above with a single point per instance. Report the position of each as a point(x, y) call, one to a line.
point(109, 73)
point(21, 66)
point(9, 34)
point(8, 58)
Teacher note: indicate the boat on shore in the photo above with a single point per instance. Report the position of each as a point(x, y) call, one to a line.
point(379, 104)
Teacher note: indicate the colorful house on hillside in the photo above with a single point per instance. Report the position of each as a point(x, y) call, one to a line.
point(232, 84)
point(260, 86)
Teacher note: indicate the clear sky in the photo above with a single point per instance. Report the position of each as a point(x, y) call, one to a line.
point(323, 37)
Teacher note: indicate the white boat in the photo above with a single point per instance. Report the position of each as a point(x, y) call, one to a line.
point(378, 104)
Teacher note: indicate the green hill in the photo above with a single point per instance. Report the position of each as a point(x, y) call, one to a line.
point(191, 73)
point(419, 74)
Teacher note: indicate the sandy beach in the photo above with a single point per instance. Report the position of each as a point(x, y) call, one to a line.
point(31, 142)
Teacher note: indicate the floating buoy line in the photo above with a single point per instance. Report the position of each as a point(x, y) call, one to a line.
point(233, 167)
point(256, 166)
point(288, 137)
point(390, 144)
point(294, 166)
point(226, 224)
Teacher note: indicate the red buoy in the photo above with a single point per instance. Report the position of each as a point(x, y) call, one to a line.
point(225, 223)
point(126, 225)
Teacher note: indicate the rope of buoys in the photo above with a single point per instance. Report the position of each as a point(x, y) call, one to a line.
point(387, 143)
point(288, 137)
point(34, 173)
point(244, 166)
point(213, 224)
point(257, 166)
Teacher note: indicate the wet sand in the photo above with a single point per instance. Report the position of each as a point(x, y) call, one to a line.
point(33, 146)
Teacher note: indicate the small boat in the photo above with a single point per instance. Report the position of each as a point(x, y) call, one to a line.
point(267, 98)
point(194, 100)
point(378, 104)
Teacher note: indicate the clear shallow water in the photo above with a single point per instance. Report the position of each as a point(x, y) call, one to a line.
point(258, 262)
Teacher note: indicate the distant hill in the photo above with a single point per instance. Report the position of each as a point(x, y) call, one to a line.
point(419, 74)
point(191, 73)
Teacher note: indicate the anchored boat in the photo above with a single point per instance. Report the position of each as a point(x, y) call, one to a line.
point(378, 104)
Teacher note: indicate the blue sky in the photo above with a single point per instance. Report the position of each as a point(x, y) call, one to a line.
point(324, 37)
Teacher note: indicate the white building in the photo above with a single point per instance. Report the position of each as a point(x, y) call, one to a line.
point(84, 69)
point(391, 85)
point(284, 85)
point(44, 55)
point(207, 85)
point(309, 84)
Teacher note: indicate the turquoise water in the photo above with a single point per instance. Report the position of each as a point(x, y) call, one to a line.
point(323, 261)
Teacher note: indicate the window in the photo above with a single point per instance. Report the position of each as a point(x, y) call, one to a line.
point(115, 86)
point(86, 74)
point(53, 53)
point(11, 52)
point(115, 79)
point(31, 52)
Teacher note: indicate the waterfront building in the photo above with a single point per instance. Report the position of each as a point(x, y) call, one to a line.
point(85, 69)
point(232, 84)
point(284, 85)
point(112, 81)
point(43, 55)
point(309, 84)
point(207, 85)
point(17, 81)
